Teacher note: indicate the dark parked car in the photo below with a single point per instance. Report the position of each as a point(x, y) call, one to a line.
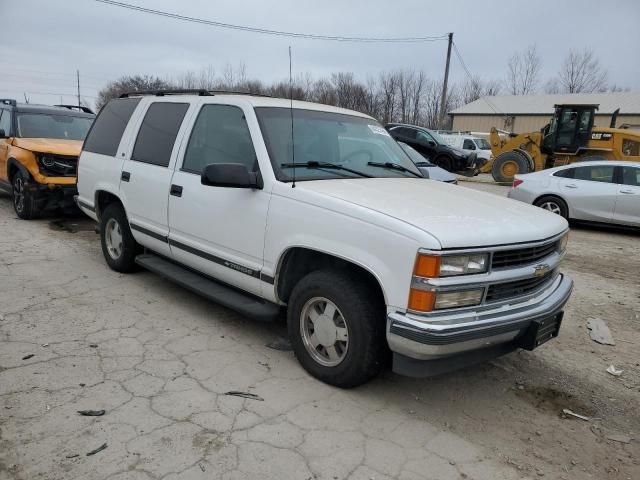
point(429, 144)
point(428, 169)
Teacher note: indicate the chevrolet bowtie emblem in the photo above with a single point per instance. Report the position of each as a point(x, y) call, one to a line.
point(541, 269)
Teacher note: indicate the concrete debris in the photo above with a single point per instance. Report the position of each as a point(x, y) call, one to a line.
point(27, 357)
point(568, 412)
point(599, 332)
point(614, 371)
point(91, 413)
point(619, 438)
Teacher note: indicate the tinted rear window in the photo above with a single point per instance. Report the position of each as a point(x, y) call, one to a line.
point(106, 132)
point(158, 133)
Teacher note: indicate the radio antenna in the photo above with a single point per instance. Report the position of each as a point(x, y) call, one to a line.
point(293, 145)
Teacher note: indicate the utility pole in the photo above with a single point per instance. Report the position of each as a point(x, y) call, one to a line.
point(78, 79)
point(443, 100)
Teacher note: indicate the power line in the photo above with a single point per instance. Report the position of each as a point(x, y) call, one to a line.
point(464, 67)
point(214, 23)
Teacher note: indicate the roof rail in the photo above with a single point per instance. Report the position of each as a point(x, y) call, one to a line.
point(8, 101)
point(76, 107)
point(189, 91)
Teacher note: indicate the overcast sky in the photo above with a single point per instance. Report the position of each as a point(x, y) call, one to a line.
point(45, 41)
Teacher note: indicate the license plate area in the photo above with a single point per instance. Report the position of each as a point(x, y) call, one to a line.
point(541, 331)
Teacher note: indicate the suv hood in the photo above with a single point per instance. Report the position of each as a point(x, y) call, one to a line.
point(50, 145)
point(457, 216)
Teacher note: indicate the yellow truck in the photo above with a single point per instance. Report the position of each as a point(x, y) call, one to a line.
point(569, 137)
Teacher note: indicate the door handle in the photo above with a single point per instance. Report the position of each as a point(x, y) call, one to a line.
point(571, 185)
point(628, 192)
point(125, 176)
point(176, 190)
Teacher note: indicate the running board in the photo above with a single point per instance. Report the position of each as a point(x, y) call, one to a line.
point(229, 297)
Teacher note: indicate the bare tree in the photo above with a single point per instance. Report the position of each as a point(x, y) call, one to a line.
point(581, 72)
point(129, 83)
point(389, 88)
point(523, 71)
point(552, 86)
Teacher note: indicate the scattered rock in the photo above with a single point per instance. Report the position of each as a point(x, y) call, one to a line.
point(614, 371)
point(619, 438)
point(91, 413)
point(282, 344)
point(599, 332)
point(250, 396)
point(73, 455)
point(93, 345)
point(44, 345)
point(99, 449)
point(27, 357)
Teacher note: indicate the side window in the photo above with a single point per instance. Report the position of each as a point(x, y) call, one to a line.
point(631, 176)
point(468, 145)
point(595, 173)
point(630, 148)
point(220, 135)
point(106, 131)
point(404, 132)
point(5, 121)
point(425, 137)
point(158, 133)
point(566, 173)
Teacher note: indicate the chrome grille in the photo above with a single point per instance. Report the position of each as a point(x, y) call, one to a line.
point(522, 256)
point(518, 288)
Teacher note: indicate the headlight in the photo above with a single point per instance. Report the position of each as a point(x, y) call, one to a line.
point(47, 161)
point(562, 245)
point(431, 266)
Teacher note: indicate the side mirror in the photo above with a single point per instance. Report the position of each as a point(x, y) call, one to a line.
point(230, 175)
point(432, 143)
point(3, 134)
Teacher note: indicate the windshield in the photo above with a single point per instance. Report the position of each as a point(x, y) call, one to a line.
point(415, 157)
point(350, 142)
point(46, 125)
point(482, 144)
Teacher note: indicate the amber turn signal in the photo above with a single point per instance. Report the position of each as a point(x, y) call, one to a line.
point(427, 266)
point(421, 300)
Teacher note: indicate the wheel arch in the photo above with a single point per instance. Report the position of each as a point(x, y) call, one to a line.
point(297, 261)
point(103, 198)
point(14, 166)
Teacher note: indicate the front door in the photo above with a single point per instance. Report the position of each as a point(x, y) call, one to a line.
point(627, 210)
point(218, 231)
point(146, 174)
point(5, 141)
point(591, 193)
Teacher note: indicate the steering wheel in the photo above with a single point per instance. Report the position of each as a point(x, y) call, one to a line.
point(357, 152)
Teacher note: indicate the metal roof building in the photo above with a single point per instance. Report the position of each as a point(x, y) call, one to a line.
point(527, 113)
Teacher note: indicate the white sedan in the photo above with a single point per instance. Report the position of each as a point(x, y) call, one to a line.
point(599, 191)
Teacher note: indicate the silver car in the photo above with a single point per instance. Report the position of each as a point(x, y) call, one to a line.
point(599, 191)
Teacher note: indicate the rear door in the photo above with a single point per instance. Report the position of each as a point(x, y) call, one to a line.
point(217, 230)
point(627, 211)
point(147, 170)
point(591, 193)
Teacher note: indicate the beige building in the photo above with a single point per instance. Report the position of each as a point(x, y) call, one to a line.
point(528, 113)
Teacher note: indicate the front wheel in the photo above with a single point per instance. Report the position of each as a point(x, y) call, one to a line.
point(337, 328)
point(507, 165)
point(118, 245)
point(444, 162)
point(24, 202)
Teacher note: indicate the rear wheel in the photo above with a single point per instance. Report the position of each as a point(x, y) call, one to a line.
point(24, 202)
point(554, 205)
point(337, 326)
point(507, 165)
point(118, 245)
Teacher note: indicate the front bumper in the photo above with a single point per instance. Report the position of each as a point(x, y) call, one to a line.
point(52, 196)
point(444, 339)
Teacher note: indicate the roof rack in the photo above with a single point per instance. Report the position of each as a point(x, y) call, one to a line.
point(8, 101)
point(80, 108)
point(189, 91)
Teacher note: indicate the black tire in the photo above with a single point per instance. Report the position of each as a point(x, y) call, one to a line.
point(24, 202)
point(444, 162)
point(121, 259)
point(553, 204)
point(363, 314)
point(507, 165)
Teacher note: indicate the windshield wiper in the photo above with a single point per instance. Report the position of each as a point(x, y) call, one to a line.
point(325, 165)
point(394, 166)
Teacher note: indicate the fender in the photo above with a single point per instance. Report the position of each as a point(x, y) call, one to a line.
point(12, 162)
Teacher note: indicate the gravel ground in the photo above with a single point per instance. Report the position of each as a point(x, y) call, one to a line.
point(75, 335)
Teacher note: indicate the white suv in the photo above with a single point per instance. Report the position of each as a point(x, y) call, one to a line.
point(263, 205)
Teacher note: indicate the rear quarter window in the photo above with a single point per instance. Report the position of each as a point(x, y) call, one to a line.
point(106, 132)
point(566, 173)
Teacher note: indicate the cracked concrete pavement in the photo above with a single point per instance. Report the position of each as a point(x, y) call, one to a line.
point(159, 360)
